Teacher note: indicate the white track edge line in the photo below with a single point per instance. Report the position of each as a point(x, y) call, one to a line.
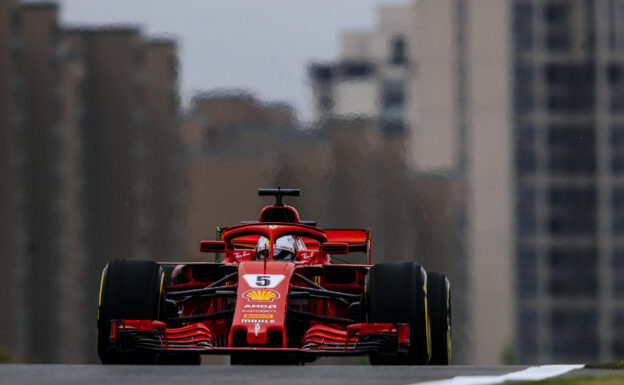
point(532, 373)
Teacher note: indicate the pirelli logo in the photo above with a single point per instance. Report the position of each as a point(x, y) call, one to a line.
point(257, 315)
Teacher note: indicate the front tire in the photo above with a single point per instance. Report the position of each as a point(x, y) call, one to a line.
point(439, 297)
point(129, 289)
point(397, 293)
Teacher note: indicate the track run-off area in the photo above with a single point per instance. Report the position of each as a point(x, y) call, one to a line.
point(286, 375)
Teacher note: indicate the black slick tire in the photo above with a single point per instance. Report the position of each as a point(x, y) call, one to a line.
point(397, 293)
point(130, 289)
point(439, 298)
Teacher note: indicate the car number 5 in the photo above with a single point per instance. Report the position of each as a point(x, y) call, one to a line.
point(263, 280)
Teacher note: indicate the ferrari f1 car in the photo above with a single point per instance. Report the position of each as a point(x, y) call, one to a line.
point(275, 294)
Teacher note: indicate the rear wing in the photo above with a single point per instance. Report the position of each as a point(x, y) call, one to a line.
point(358, 240)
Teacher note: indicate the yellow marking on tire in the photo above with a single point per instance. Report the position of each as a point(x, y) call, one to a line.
point(427, 318)
point(97, 332)
point(366, 296)
point(162, 281)
point(448, 322)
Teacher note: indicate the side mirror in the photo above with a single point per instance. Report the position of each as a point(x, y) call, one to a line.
point(212, 246)
point(335, 248)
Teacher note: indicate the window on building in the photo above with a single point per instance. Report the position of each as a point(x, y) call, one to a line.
point(613, 12)
point(573, 272)
point(571, 136)
point(139, 57)
point(524, 72)
point(524, 100)
point(617, 211)
point(565, 161)
point(561, 74)
point(618, 285)
point(572, 210)
point(398, 51)
point(570, 101)
point(616, 136)
point(558, 39)
point(321, 73)
point(571, 149)
point(615, 74)
point(565, 324)
point(617, 323)
point(617, 260)
point(615, 77)
point(617, 161)
point(617, 320)
point(570, 88)
point(393, 93)
point(525, 160)
point(556, 11)
point(526, 271)
point(326, 103)
point(173, 68)
point(525, 155)
point(210, 135)
point(393, 103)
point(522, 14)
point(524, 87)
point(527, 324)
point(557, 26)
point(526, 209)
point(350, 69)
point(16, 25)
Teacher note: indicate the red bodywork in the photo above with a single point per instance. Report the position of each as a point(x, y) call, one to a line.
point(308, 306)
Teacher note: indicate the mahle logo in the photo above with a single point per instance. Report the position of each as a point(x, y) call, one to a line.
point(261, 295)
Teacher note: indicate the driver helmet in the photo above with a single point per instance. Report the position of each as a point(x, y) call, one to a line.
point(284, 248)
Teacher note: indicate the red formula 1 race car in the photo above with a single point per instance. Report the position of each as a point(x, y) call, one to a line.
point(274, 295)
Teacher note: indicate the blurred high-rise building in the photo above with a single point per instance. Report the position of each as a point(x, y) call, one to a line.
point(231, 140)
point(162, 224)
point(378, 76)
point(128, 109)
point(35, 174)
point(370, 79)
point(526, 96)
point(460, 128)
point(519, 102)
point(88, 159)
point(8, 157)
point(568, 88)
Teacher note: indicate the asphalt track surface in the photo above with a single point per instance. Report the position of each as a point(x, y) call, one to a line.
point(249, 375)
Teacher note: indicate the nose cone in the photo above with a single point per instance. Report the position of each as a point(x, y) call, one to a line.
point(261, 301)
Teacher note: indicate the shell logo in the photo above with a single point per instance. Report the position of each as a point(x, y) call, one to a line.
point(261, 295)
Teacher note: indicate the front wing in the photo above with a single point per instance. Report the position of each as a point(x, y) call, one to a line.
point(319, 339)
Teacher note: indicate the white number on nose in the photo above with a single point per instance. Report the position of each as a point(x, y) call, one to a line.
point(263, 280)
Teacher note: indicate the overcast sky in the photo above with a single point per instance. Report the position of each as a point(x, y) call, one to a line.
point(263, 46)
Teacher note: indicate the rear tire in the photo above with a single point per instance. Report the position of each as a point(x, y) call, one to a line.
point(439, 297)
point(396, 293)
point(130, 289)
